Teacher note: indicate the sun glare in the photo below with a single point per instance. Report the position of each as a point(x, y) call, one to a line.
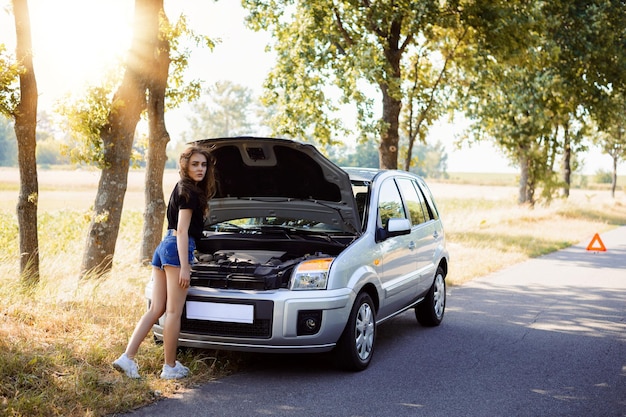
point(75, 42)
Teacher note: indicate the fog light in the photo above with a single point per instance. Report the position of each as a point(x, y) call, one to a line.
point(309, 322)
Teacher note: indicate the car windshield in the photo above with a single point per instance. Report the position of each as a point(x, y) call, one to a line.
point(267, 224)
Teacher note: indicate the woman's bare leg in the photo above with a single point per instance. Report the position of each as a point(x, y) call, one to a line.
point(157, 308)
point(176, 296)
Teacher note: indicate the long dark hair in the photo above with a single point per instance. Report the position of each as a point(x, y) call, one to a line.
point(205, 188)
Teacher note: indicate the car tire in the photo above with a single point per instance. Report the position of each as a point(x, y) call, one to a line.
point(430, 312)
point(356, 345)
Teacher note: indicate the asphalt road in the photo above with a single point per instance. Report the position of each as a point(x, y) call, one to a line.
point(543, 338)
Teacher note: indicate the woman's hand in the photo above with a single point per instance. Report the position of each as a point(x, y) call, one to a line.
point(184, 279)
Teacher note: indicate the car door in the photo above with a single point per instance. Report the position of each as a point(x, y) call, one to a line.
point(432, 232)
point(421, 232)
point(397, 252)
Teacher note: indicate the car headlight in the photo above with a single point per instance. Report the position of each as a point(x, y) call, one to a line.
point(311, 274)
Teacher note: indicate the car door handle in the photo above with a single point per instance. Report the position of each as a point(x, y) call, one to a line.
point(435, 234)
point(411, 245)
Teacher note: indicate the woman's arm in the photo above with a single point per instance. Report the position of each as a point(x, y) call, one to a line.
point(182, 242)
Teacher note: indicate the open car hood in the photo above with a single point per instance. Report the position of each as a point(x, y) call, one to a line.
point(267, 177)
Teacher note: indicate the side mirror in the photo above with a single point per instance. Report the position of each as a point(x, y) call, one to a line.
point(395, 227)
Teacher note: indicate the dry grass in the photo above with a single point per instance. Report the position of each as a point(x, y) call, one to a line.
point(57, 340)
point(487, 230)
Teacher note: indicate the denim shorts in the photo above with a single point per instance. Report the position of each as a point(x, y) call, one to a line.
point(166, 254)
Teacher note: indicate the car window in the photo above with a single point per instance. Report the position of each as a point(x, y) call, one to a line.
point(389, 203)
point(413, 200)
point(432, 209)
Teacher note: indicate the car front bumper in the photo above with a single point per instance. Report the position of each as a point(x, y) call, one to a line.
point(270, 321)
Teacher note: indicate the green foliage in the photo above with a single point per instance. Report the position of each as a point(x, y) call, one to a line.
point(49, 153)
point(9, 87)
point(515, 95)
point(85, 117)
point(590, 38)
point(430, 161)
point(182, 41)
point(603, 177)
point(365, 155)
point(334, 54)
point(226, 112)
point(612, 137)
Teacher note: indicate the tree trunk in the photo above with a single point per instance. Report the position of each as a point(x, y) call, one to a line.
point(390, 138)
point(25, 131)
point(614, 177)
point(524, 164)
point(567, 163)
point(158, 138)
point(117, 137)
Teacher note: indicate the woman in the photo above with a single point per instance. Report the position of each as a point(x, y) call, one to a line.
point(186, 211)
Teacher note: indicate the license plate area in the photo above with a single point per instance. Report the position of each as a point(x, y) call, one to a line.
point(225, 312)
point(260, 327)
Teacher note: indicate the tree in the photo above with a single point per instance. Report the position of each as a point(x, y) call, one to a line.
point(225, 114)
point(517, 95)
point(117, 136)
point(428, 91)
point(157, 78)
point(612, 136)
point(158, 137)
point(575, 127)
point(508, 103)
point(166, 89)
point(352, 47)
point(25, 116)
point(589, 37)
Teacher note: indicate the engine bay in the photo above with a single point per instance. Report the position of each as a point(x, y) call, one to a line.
point(247, 269)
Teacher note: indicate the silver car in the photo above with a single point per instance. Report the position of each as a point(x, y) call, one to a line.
point(300, 255)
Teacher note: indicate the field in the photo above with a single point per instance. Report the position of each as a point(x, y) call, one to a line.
point(57, 340)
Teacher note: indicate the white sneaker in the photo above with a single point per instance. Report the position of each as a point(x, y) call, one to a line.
point(174, 372)
point(126, 365)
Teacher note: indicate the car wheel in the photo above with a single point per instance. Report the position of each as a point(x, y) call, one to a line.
point(356, 345)
point(430, 311)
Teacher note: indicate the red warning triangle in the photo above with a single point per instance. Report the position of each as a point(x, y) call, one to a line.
point(596, 240)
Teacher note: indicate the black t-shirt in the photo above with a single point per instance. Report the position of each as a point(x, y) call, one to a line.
point(178, 202)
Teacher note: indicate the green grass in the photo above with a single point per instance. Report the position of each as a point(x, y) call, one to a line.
point(57, 339)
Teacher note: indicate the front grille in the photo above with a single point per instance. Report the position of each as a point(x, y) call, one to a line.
point(260, 328)
point(233, 282)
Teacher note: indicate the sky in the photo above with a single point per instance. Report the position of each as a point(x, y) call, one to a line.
point(73, 46)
